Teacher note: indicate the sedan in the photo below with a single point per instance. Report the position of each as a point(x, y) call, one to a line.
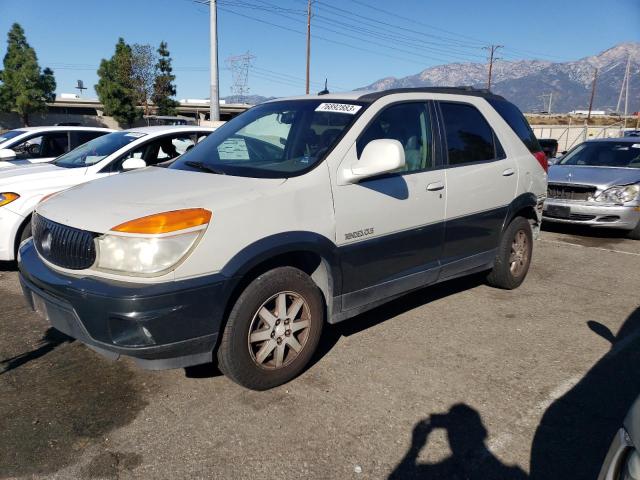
point(597, 184)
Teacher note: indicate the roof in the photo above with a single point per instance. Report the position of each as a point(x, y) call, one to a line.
point(168, 129)
point(371, 96)
point(56, 128)
point(615, 140)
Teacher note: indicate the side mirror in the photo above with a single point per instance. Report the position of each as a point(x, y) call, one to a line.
point(563, 153)
point(552, 161)
point(378, 157)
point(133, 164)
point(7, 154)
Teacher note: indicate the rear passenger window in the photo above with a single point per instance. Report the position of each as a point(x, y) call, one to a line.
point(510, 114)
point(79, 137)
point(409, 124)
point(469, 136)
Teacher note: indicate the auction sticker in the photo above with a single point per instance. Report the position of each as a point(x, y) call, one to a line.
point(339, 108)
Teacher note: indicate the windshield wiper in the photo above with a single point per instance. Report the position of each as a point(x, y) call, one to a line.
point(203, 167)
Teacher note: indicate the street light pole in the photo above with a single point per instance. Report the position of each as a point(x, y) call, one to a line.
point(214, 107)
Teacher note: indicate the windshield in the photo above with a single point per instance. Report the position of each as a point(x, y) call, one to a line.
point(96, 150)
point(10, 134)
point(604, 154)
point(273, 140)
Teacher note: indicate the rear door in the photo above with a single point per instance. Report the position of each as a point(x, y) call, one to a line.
point(481, 183)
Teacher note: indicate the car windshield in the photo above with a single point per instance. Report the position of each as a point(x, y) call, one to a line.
point(604, 154)
point(273, 140)
point(96, 150)
point(10, 134)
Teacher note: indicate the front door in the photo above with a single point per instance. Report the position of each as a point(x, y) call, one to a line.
point(390, 228)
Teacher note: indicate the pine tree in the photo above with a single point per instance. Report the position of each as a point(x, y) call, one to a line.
point(163, 87)
point(115, 88)
point(24, 89)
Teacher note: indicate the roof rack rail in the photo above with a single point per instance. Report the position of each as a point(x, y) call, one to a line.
point(461, 90)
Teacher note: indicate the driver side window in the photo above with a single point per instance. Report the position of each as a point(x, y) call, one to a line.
point(408, 123)
point(43, 146)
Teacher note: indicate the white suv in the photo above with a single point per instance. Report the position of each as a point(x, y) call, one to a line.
point(298, 212)
point(23, 186)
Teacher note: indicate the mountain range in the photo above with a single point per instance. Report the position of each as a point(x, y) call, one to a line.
point(526, 82)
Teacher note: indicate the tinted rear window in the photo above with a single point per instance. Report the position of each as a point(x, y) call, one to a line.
point(469, 136)
point(510, 113)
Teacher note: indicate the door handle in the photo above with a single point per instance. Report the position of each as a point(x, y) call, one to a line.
point(508, 172)
point(435, 186)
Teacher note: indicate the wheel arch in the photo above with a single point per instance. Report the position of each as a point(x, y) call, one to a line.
point(523, 205)
point(312, 253)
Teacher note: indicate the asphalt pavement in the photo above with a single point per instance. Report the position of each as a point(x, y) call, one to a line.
point(459, 380)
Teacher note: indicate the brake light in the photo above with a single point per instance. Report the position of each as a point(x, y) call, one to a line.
point(542, 160)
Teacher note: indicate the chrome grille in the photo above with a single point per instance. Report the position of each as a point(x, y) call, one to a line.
point(64, 246)
point(570, 192)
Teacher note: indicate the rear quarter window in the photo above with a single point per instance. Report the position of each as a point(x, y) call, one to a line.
point(514, 118)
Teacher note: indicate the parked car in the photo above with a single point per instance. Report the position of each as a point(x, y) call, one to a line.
point(43, 144)
point(597, 184)
point(295, 213)
point(623, 459)
point(22, 187)
point(631, 133)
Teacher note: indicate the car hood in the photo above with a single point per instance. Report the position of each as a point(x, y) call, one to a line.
point(100, 205)
point(35, 176)
point(603, 177)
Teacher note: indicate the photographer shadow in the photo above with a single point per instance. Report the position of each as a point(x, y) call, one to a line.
point(470, 458)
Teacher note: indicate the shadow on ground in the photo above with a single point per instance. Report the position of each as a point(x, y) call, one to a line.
point(470, 458)
point(51, 339)
point(576, 430)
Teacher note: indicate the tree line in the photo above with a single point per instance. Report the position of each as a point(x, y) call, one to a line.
point(136, 80)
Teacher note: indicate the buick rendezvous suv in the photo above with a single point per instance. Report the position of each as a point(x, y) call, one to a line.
point(297, 213)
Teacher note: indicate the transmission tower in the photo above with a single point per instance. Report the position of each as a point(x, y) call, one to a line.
point(239, 66)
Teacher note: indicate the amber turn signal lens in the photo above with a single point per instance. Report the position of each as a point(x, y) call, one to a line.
point(8, 197)
point(166, 222)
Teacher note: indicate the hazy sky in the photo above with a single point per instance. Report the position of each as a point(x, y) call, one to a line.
point(354, 41)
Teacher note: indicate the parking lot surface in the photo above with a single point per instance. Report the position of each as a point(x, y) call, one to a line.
point(454, 381)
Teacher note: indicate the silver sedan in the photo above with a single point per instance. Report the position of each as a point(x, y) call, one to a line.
point(597, 184)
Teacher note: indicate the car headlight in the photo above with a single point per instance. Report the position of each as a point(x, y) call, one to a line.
point(623, 194)
point(8, 197)
point(151, 245)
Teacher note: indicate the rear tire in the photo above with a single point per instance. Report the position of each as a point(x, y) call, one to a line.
point(513, 257)
point(635, 233)
point(273, 329)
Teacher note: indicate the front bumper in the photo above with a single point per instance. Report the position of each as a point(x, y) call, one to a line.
point(582, 213)
point(168, 325)
point(10, 223)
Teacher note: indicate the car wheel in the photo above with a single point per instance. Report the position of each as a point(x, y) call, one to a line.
point(635, 233)
point(273, 329)
point(514, 255)
point(23, 235)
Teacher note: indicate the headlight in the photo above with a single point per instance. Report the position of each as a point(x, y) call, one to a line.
point(8, 197)
point(151, 245)
point(622, 194)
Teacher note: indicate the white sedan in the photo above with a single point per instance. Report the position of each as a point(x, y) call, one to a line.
point(22, 187)
point(43, 144)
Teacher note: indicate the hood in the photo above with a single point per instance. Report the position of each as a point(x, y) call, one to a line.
point(11, 164)
point(100, 205)
point(603, 177)
point(36, 176)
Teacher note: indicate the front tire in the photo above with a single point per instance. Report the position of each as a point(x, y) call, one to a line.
point(513, 257)
point(273, 329)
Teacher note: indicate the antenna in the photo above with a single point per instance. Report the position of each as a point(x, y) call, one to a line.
point(80, 86)
point(326, 90)
point(239, 66)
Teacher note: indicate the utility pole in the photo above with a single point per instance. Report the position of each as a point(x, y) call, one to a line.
point(593, 93)
point(214, 107)
point(308, 43)
point(492, 50)
point(624, 83)
point(550, 95)
point(626, 94)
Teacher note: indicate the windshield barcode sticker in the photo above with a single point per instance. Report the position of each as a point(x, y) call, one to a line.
point(338, 108)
